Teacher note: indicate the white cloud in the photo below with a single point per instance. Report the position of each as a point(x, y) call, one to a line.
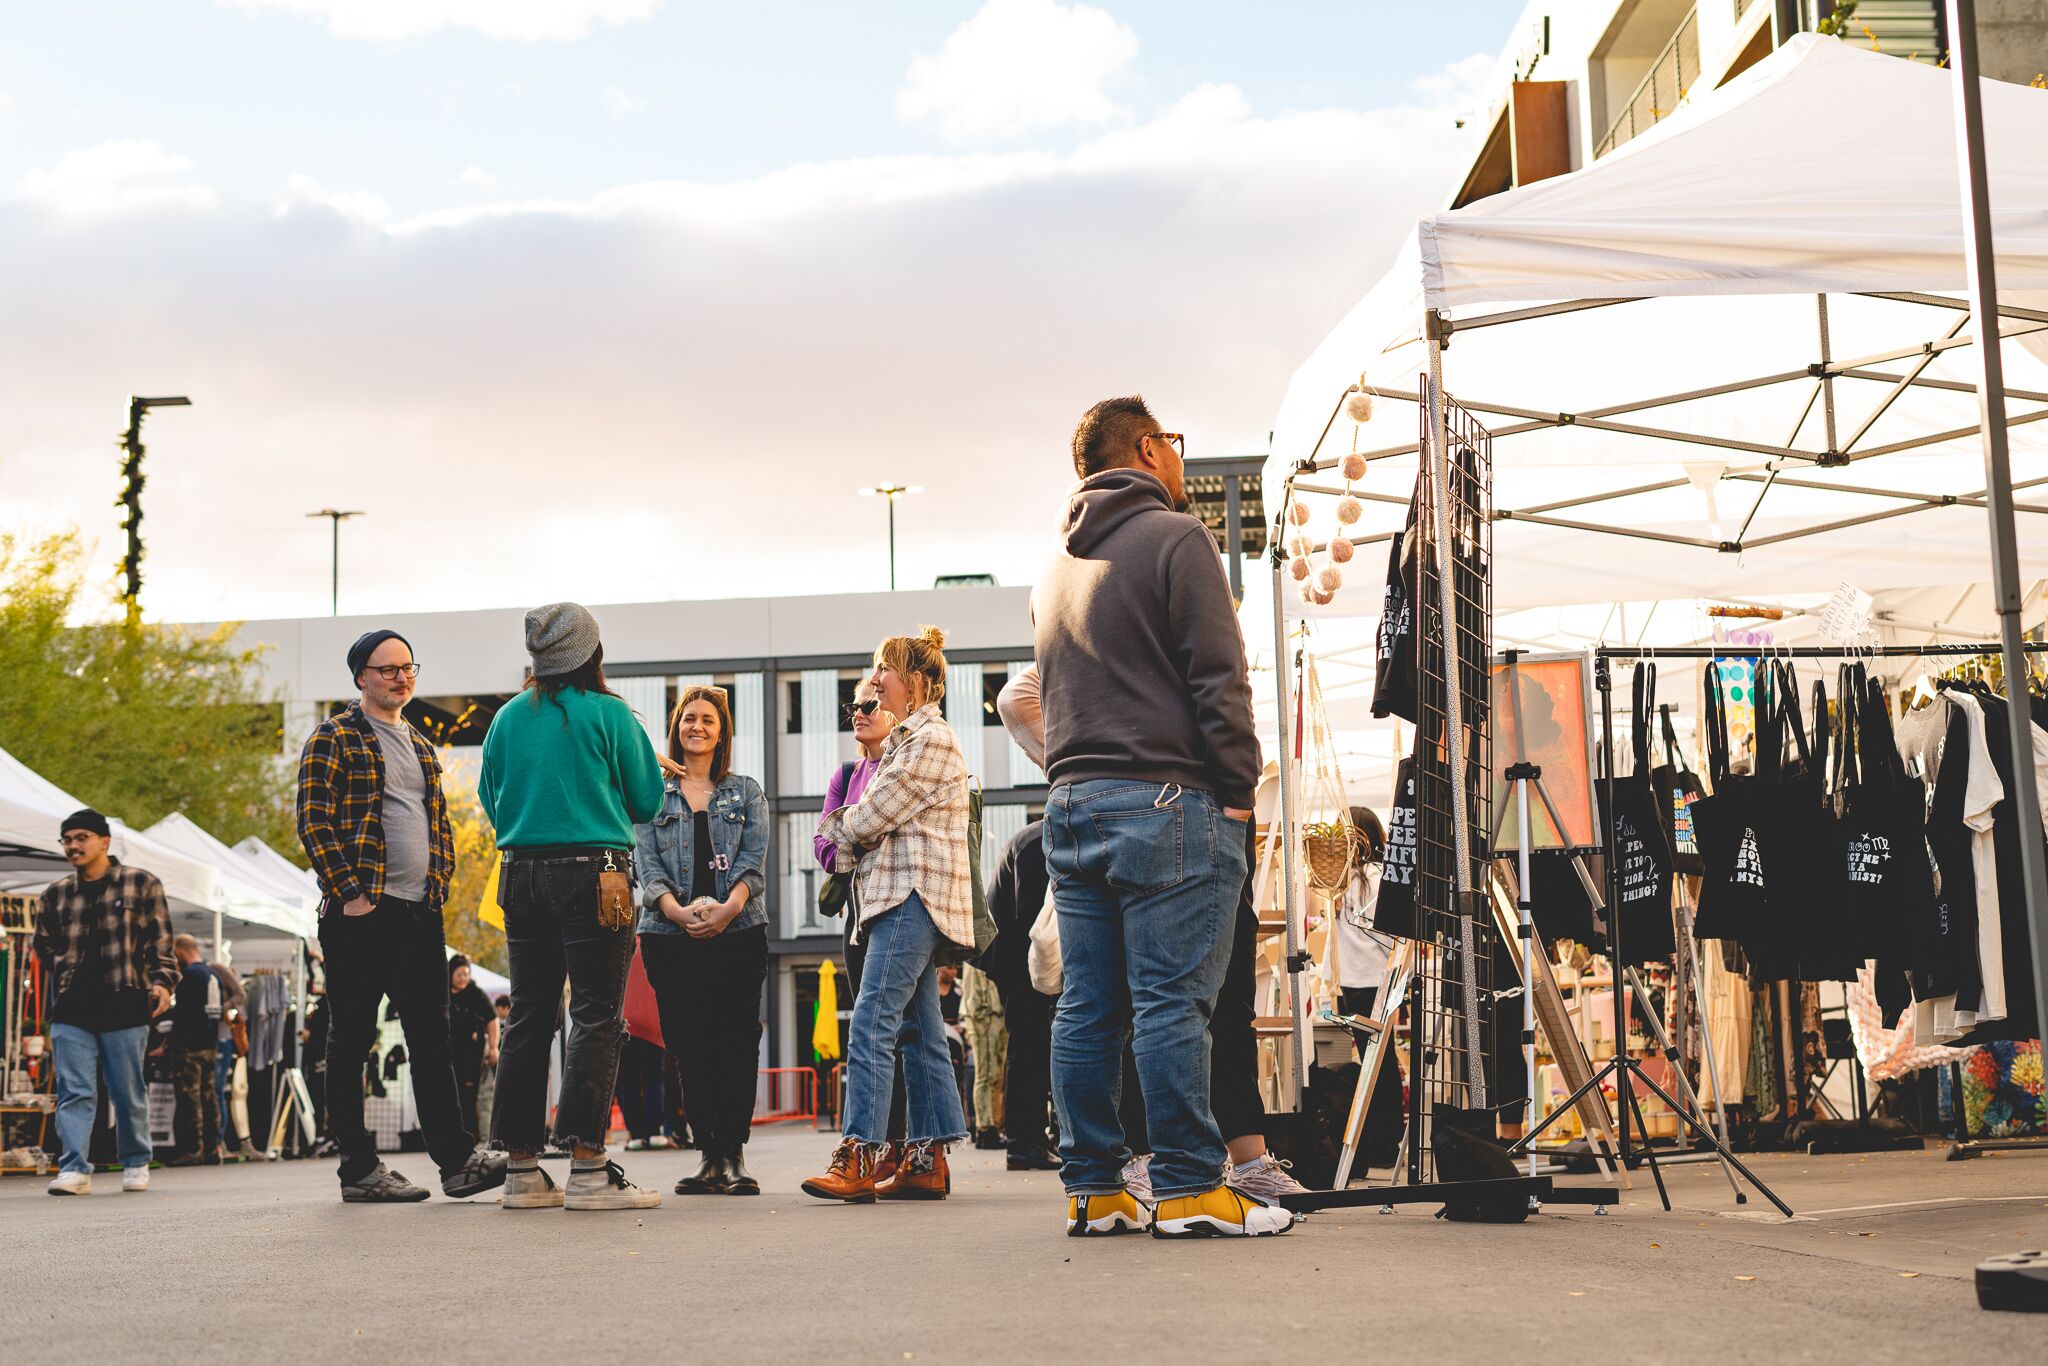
point(116, 178)
point(357, 206)
point(1021, 66)
point(507, 376)
point(619, 102)
point(476, 178)
point(6, 111)
point(526, 21)
point(1460, 84)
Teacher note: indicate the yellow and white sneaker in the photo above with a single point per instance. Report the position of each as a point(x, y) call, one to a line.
point(1091, 1216)
point(1218, 1213)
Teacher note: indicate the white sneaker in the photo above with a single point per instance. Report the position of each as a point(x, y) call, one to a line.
point(606, 1187)
point(531, 1188)
point(135, 1179)
point(658, 1141)
point(636, 1145)
point(1265, 1178)
point(72, 1183)
point(1138, 1179)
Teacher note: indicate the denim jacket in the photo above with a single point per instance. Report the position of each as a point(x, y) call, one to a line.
point(665, 857)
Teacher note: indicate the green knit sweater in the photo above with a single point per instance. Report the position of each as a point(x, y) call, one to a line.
point(579, 774)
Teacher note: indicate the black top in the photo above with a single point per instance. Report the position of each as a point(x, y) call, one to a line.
point(949, 1003)
point(89, 1002)
point(703, 882)
point(192, 1027)
point(1016, 894)
point(469, 1016)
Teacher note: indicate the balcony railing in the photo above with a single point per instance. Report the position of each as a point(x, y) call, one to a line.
point(1671, 76)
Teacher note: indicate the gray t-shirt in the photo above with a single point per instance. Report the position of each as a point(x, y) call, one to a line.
point(405, 813)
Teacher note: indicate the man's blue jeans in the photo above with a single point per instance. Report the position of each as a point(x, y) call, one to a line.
point(1145, 881)
point(224, 1090)
point(897, 1015)
point(82, 1055)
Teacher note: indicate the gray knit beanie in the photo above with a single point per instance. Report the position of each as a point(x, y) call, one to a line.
point(561, 637)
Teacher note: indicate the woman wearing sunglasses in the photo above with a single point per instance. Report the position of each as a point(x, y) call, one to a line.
point(704, 932)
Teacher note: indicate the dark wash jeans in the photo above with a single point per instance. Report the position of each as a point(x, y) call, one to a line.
point(708, 992)
point(396, 950)
point(552, 935)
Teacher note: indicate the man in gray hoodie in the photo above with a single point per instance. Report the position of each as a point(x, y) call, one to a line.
point(1153, 762)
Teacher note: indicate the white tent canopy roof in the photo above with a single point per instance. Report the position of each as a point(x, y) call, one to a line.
point(1736, 196)
point(246, 893)
point(32, 807)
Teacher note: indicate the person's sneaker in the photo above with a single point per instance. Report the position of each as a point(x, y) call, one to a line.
point(851, 1177)
point(72, 1183)
point(989, 1139)
point(1094, 1216)
point(658, 1141)
point(1138, 1179)
point(530, 1188)
point(1263, 1178)
point(1032, 1162)
point(485, 1171)
point(135, 1178)
point(920, 1175)
point(636, 1145)
point(606, 1187)
point(1218, 1213)
point(382, 1187)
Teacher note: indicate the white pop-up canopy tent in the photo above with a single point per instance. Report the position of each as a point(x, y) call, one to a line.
point(1653, 442)
point(279, 871)
point(247, 892)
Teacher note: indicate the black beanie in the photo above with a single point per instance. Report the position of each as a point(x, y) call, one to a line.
point(87, 819)
point(365, 646)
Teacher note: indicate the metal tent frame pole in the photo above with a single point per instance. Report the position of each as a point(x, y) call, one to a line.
point(1290, 739)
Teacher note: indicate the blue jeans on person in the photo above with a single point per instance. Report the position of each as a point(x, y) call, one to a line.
point(1145, 881)
point(224, 1090)
point(896, 1016)
point(82, 1058)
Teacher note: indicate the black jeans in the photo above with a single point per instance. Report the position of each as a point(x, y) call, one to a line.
point(1027, 1075)
point(708, 992)
point(397, 951)
point(552, 936)
point(1386, 1118)
point(641, 1092)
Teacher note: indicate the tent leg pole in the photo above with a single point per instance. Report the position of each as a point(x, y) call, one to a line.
point(1827, 381)
point(1283, 675)
point(2006, 585)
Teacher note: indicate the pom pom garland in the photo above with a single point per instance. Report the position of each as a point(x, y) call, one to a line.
point(1349, 510)
point(1353, 467)
point(1341, 550)
point(1299, 568)
point(1358, 407)
point(1330, 580)
point(1320, 598)
point(1298, 512)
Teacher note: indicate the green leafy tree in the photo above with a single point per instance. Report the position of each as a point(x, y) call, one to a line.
point(139, 720)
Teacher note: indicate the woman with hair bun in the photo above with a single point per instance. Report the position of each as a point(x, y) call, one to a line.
point(906, 840)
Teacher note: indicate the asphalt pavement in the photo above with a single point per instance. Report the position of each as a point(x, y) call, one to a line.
point(263, 1262)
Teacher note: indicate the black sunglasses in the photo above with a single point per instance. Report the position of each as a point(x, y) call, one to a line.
point(866, 708)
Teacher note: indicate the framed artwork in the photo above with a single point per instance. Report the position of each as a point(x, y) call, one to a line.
point(1542, 712)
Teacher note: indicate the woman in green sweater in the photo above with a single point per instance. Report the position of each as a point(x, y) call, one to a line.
point(567, 771)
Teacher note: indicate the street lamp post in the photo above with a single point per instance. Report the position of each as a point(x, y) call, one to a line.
point(337, 517)
point(131, 496)
point(892, 492)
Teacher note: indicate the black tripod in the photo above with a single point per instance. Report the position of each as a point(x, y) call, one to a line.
point(1626, 1071)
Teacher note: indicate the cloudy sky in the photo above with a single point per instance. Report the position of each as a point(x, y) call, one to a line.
point(624, 299)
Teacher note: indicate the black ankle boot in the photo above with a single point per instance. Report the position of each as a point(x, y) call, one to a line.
point(741, 1181)
point(713, 1178)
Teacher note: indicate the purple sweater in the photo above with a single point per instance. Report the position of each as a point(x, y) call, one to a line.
point(844, 790)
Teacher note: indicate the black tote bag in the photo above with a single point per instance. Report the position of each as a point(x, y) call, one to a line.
point(1636, 835)
point(1681, 787)
point(1863, 877)
point(1394, 912)
point(1906, 894)
point(1397, 658)
point(1732, 896)
point(1792, 836)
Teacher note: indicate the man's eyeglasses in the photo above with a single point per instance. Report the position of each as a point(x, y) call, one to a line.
point(867, 708)
point(1173, 439)
point(390, 672)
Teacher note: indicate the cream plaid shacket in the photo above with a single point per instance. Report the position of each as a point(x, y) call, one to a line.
point(909, 828)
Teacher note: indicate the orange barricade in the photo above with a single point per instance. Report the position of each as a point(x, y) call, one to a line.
point(786, 1093)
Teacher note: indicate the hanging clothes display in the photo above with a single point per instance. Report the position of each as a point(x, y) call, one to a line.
point(1727, 824)
point(1636, 834)
point(1395, 913)
point(1936, 743)
point(1681, 787)
point(1397, 661)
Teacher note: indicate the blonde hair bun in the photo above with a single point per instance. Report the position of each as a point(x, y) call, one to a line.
point(933, 636)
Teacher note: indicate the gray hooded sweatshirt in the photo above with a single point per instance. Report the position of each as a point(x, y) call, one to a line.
point(1140, 659)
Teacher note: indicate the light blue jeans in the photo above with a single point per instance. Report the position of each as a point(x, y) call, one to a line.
point(82, 1056)
point(224, 1090)
point(896, 1015)
point(1145, 881)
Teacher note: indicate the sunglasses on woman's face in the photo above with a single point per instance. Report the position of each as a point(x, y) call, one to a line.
point(866, 708)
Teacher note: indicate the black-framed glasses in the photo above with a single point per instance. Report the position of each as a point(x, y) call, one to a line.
point(867, 708)
point(1173, 439)
point(390, 672)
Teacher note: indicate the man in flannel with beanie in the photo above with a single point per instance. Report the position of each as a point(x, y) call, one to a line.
point(104, 936)
point(374, 824)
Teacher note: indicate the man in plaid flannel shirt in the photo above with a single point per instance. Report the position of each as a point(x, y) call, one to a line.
point(374, 824)
point(104, 936)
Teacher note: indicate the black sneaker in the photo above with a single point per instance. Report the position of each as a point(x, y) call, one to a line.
point(1040, 1161)
point(485, 1171)
point(382, 1187)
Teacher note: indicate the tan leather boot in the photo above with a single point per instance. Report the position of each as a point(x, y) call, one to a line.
point(920, 1175)
point(851, 1177)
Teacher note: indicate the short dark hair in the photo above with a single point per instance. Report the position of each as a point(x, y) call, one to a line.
point(505, 1001)
point(1108, 434)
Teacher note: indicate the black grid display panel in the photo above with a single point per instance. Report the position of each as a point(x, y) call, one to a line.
point(1451, 998)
